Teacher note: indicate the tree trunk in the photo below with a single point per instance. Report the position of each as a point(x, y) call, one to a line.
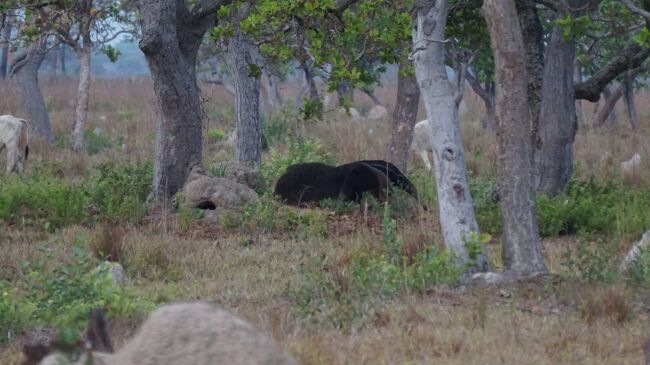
point(456, 209)
point(404, 117)
point(4, 45)
point(486, 93)
point(62, 60)
point(247, 104)
point(345, 92)
point(577, 78)
point(607, 109)
point(24, 73)
point(271, 85)
point(521, 252)
point(83, 89)
point(170, 41)
point(628, 98)
point(557, 124)
point(533, 36)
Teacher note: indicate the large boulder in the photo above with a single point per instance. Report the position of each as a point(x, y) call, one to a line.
point(377, 112)
point(635, 252)
point(215, 193)
point(241, 173)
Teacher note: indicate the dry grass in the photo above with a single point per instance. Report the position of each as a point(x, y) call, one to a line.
point(552, 322)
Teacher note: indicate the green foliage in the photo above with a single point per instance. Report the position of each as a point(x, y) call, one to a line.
point(392, 242)
point(267, 215)
point(279, 126)
point(587, 206)
point(96, 142)
point(595, 262)
point(573, 26)
point(120, 190)
point(216, 134)
point(62, 294)
point(639, 273)
point(474, 243)
point(186, 216)
point(297, 151)
point(346, 292)
point(40, 198)
point(111, 52)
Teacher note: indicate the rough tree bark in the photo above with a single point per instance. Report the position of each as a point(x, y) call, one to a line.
point(455, 204)
point(557, 122)
point(404, 117)
point(24, 74)
point(4, 45)
point(171, 37)
point(533, 35)
point(238, 56)
point(521, 252)
point(83, 90)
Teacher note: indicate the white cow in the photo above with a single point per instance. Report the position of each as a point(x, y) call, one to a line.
point(14, 133)
point(632, 165)
point(422, 143)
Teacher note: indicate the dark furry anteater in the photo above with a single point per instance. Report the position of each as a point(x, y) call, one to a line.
point(315, 181)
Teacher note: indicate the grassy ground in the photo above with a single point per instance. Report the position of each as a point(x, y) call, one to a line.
point(323, 282)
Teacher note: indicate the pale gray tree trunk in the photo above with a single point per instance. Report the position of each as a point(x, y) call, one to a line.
point(456, 209)
point(607, 110)
point(628, 98)
point(239, 58)
point(404, 117)
point(557, 123)
point(24, 74)
point(171, 37)
point(83, 90)
point(5, 35)
point(521, 251)
point(83, 51)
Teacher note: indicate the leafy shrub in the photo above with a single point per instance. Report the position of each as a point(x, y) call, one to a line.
point(96, 142)
point(596, 262)
point(270, 216)
point(120, 190)
point(40, 197)
point(343, 291)
point(486, 206)
point(216, 134)
point(639, 273)
point(297, 151)
point(62, 295)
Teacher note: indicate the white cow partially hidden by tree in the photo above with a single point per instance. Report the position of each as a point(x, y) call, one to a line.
point(14, 136)
point(422, 142)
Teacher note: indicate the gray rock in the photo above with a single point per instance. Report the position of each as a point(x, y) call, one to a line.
point(115, 271)
point(215, 193)
point(241, 173)
point(634, 252)
point(377, 112)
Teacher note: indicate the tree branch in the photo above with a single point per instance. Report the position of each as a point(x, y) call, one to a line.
point(636, 10)
point(631, 57)
point(208, 7)
point(477, 88)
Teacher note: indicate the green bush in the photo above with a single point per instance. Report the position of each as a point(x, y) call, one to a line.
point(41, 198)
point(267, 215)
point(120, 190)
point(297, 151)
point(62, 294)
point(96, 142)
point(639, 273)
point(346, 291)
point(593, 262)
point(216, 134)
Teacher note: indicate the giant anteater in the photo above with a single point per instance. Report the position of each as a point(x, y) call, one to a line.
point(313, 181)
